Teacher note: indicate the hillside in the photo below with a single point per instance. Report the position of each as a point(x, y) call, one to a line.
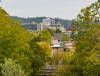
point(66, 23)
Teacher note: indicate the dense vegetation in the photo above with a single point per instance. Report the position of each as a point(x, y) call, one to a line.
point(87, 40)
point(24, 53)
point(86, 36)
point(20, 55)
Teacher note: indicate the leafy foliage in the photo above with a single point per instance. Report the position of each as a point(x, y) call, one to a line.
point(16, 43)
point(87, 40)
point(90, 13)
point(11, 68)
point(44, 36)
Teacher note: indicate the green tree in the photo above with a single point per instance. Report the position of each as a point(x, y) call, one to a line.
point(5, 18)
point(41, 52)
point(11, 68)
point(65, 37)
point(87, 39)
point(44, 36)
point(58, 30)
point(62, 58)
point(15, 43)
point(90, 13)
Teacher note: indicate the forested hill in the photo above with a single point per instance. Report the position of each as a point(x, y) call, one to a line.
point(39, 20)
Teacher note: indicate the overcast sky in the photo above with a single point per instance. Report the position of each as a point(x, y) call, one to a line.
point(67, 9)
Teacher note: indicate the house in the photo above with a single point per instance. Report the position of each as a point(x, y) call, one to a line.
point(56, 46)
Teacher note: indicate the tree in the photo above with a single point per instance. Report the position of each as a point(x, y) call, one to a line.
point(87, 39)
point(90, 13)
point(42, 53)
point(5, 19)
point(15, 43)
point(58, 31)
point(45, 47)
point(11, 68)
point(62, 58)
point(87, 28)
point(65, 37)
point(44, 36)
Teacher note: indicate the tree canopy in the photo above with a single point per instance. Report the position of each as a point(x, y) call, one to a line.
point(16, 43)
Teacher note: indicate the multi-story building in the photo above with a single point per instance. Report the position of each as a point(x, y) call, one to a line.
point(48, 21)
point(33, 26)
point(59, 26)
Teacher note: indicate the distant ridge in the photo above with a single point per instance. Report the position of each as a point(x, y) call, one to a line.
point(66, 23)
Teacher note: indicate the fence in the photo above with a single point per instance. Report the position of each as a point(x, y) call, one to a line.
point(68, 70)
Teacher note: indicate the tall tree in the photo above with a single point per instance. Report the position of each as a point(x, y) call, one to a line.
point(16, 43)
point(90, 13)
point(87, 38)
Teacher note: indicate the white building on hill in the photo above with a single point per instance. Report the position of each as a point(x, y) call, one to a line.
point(47, 22)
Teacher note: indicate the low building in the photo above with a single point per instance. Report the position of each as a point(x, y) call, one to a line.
point(56, 46)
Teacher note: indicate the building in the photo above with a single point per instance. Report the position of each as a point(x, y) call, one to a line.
point(56, 46)
point(59, 26)
point(32, 26)
point(69, 33)
point(47, 22)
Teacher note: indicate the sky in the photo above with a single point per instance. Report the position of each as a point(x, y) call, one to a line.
point(66, 9)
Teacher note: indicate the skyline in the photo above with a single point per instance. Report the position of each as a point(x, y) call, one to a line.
point(66, 9)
